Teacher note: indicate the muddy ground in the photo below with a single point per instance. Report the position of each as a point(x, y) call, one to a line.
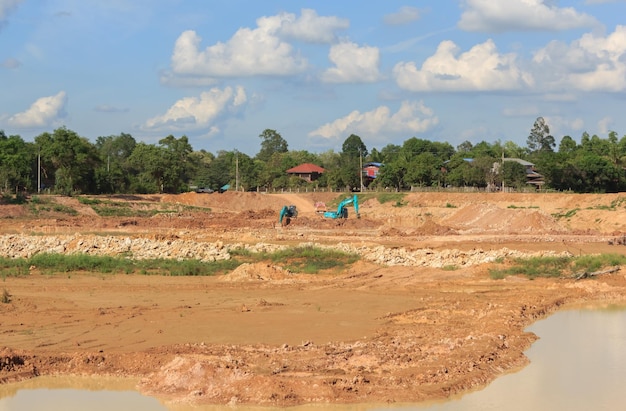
point(379, 331)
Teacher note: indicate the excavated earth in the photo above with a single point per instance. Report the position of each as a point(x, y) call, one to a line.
point(418, 317)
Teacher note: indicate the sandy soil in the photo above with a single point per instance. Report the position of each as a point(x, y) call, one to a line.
point(260, 335)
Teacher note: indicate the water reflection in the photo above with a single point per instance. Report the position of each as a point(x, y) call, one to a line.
point(579, 363)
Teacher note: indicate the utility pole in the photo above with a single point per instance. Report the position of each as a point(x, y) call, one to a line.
point(502, 171)
point(38, 169)
point(236, 170)
point(361, 169)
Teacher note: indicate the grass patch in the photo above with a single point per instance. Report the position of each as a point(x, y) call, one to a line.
point(59, 263)
point(37, 204)
point(513, 206)
point(567, 214)
point(618, 202)
point(89, 201)
point(308, 260)
point(448, 205)
point(396, 198)
point(558, 266)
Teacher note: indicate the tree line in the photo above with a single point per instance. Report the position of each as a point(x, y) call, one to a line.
point(63, 162)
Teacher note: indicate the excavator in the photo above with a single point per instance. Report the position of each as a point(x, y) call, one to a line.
point(287, 212)
point(342, 208)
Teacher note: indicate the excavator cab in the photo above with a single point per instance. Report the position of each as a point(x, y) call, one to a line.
point(286, 213)
point(342, 209)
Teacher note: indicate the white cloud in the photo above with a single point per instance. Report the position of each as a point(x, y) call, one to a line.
point(309, 27)
point(6, 7)
point(405, 15)
point(481, 68)
point(521, 15)
point(194, 113)
point(604, 1)
point(591, 63)
point(353, 64)
point(250, 52)
point(412, 117)
point(42, 113)
point(563, 125)
point(605, 124)
point(247, 53)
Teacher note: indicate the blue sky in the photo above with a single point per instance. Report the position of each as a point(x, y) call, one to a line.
point(222, 71)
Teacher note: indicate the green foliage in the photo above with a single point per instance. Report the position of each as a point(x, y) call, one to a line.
point(301, 260)
point(39, 204)
point(59, 263)
point(448, 205)
point(390, 197)
point(540, 138)
point(567, 214)
point(71, 165)
point(591, 263)
point(311, 260)
point(272, 143)
point(70, 158)
point(534, 267)
point(558, 266)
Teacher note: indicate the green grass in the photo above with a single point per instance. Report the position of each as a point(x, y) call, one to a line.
point(300, 260)
point(567, 214)
point(311, 260)
point(58, 263)
point(396, 198)
point(618, 202)
point(558, 266)
point(37, 204)
point(515, 207)
point(448, 205)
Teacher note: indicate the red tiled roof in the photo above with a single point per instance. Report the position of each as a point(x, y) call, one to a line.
point(305, 169)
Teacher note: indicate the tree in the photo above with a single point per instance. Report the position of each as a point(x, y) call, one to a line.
point(113, 175)
point(514, 174)
point(540, 138)
point(272, 142)
point(177, 170)
point(16, 158)
point(72, 158)
point(147, 161)
point(352, 152)
point(567, 145)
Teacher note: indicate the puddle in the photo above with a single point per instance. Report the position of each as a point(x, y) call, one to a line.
point(578, 364)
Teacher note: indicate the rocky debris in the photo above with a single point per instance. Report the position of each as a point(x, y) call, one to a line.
point(24, 246)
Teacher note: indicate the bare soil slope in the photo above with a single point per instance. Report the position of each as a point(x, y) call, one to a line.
point(262, 335)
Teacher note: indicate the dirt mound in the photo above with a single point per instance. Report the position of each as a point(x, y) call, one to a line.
point(487, 217)
point(257, 272)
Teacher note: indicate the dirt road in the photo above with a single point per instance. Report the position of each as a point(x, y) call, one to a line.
point(260, 335)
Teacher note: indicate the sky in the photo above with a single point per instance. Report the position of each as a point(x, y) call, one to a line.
point(222, 71)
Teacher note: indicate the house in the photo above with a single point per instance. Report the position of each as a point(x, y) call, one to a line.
point(370, 170)
point(307, 171)
point(532, 176)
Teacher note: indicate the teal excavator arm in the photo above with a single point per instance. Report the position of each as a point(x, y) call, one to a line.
point(289, 212)
point(342, 210)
